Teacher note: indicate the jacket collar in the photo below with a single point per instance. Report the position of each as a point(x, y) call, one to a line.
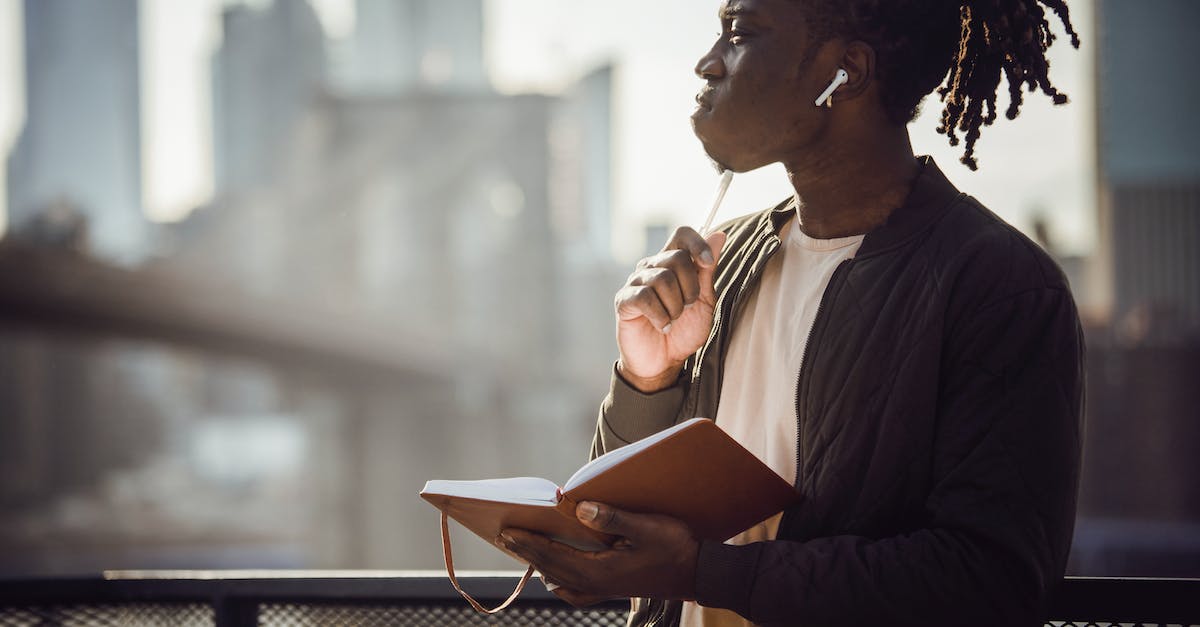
point(931, 194)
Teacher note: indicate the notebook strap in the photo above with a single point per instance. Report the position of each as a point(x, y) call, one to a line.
point(454, 580)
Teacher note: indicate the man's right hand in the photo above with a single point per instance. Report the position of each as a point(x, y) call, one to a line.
point(665, 309)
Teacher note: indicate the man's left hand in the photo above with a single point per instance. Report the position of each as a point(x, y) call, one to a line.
point(655, 556)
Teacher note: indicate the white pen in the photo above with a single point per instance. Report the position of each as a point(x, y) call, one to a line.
point(722, 187)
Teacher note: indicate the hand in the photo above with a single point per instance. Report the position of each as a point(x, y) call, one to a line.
point(665, 310)
point(654, 556)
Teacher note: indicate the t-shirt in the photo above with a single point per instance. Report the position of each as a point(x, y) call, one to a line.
point(762, 368)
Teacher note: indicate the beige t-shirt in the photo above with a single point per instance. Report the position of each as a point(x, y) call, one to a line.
point(758, 395)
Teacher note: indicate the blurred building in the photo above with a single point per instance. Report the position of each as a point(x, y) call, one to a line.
point(80, 147)
point(581, 186)
point(403, 275)
point(270, 65)
point(408, 191)
point(393, 184)
point(1139, 501)
point(1148, 157)
point(401, 45)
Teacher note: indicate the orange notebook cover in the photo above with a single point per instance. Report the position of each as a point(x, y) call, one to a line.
point(693, 471)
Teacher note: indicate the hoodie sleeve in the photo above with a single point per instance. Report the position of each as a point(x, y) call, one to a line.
point(628, 415)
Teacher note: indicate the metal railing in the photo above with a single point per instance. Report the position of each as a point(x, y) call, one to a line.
point(278, 598)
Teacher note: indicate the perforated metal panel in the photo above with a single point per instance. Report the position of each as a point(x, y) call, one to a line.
point(1087, 623)
point(109, 615)
point(363, 615)
point(303, 615)
point(206, 599)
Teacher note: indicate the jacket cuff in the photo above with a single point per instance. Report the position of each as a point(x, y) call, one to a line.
point(630, 415)
point(725, 575)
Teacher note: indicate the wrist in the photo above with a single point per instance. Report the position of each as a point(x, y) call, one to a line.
point(652, 384)
point(725, 574)
point(690, 563)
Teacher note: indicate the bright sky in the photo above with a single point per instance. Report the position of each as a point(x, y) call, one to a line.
point(661, 174)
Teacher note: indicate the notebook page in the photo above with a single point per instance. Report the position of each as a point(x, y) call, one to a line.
point(608, 460)
point(529, 490)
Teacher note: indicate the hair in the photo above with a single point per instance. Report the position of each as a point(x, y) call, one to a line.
point(960, 48)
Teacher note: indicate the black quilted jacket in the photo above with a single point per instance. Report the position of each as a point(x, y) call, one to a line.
point(939, 411)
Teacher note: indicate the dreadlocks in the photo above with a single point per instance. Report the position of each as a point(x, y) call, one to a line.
point(962, 45)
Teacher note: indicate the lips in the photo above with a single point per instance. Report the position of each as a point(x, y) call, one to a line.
point(704, 99)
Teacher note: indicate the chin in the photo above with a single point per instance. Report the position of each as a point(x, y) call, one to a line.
point(727, 150)
point(726, 159)
point(714, 149)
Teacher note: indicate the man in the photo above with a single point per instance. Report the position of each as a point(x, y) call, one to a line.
point(911, 362)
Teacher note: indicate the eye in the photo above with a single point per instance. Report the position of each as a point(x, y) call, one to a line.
point(738, 34)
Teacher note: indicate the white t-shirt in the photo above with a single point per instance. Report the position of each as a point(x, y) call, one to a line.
point(758, 394)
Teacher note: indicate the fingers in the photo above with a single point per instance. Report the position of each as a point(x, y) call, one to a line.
point(566, 571)
point(672, 268)
point(579, 599)
point(658, 293)
point(695, 260)
point(665, 284)
point(554, 560)
point(686, 238)
point(656, 557)
point(574, 597)
point(611, 520)
point(533, 547)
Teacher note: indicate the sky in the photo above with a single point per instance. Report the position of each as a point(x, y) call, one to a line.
point(1042, 162)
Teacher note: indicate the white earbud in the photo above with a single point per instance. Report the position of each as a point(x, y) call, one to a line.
point(838, 80)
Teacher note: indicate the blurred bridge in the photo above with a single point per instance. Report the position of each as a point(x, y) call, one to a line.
point(65, 292)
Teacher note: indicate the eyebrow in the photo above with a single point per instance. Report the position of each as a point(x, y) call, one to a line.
point(728, 12)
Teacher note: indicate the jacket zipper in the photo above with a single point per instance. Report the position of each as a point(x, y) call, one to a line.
point(726, 310)
point(802, 377)
point(729, 306)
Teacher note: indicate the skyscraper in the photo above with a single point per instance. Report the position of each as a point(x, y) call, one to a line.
point(80, 149)
point(401, 45)
point(581, 141)
point(269, 68)
point(1148, 152)
point(1138, 512)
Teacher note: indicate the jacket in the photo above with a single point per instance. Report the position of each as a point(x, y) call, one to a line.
point(939, 407)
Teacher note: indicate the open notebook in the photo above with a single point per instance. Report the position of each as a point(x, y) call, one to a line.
point(692, 471)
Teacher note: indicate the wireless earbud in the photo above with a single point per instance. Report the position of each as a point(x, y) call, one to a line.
point(826, 97)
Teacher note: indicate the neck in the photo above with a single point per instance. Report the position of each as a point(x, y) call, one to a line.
point(852, 184)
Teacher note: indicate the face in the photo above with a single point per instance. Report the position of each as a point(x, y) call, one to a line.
point(757, 105)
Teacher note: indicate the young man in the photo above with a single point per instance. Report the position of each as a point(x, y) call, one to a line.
point(908, 359)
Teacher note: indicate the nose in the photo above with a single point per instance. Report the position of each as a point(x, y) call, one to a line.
point(710, 66)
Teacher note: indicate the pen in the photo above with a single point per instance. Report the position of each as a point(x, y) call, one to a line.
point(722, 187)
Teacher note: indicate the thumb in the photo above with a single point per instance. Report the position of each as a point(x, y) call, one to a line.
point(607, 519)
point(706, 275)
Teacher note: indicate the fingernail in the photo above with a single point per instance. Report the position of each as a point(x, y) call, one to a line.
point(666, 329)
point(588, 511)
point(706, 257)
point(505, 539)
point(688, 306)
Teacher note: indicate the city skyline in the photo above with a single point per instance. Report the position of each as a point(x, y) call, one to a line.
point(78, 156)
point(660, 172)
point(422, 282)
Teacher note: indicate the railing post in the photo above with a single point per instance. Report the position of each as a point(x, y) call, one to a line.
point(231, 611)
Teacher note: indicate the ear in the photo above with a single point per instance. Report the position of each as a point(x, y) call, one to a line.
point(858, 60)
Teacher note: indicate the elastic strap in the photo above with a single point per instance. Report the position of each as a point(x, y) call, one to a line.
point(454, 580)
